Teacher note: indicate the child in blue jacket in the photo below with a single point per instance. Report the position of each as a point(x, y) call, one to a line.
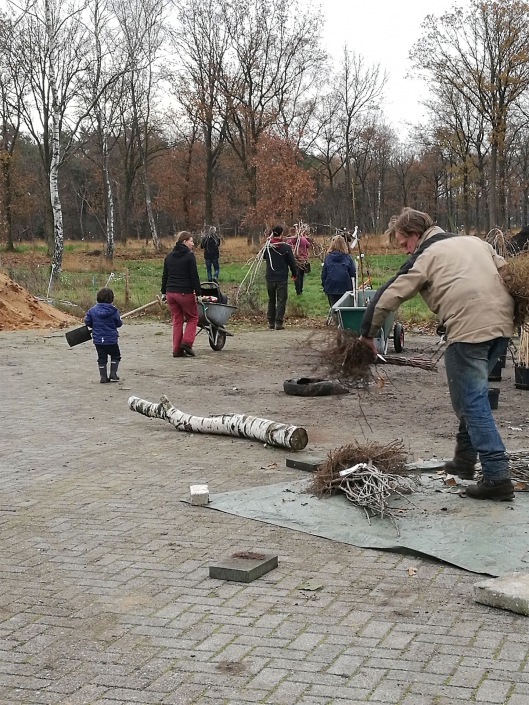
point(104, 320)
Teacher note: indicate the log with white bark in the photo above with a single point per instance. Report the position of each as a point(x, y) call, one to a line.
point(270, 432)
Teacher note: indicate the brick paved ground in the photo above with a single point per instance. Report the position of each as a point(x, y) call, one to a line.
point(104, 589)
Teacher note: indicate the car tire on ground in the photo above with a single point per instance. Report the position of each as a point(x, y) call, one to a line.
point(313, 387)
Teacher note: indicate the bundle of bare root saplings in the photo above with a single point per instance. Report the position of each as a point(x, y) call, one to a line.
point(515, 275)
point(367, 474)
point(343, 356)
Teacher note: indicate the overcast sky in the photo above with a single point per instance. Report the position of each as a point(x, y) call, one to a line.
point(384, 31)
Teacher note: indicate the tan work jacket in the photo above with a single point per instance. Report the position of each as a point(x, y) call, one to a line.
point(459, 281)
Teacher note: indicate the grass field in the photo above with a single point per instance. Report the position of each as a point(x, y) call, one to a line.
point(85, 270)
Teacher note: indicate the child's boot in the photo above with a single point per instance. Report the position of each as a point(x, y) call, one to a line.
point(103, 374)
point(114, 364)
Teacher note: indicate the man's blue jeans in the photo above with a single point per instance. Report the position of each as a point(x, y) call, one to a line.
point(212, 264)
point(467, 368)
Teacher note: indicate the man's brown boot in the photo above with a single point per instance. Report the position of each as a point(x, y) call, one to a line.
point(463, 464)
point(499, 491)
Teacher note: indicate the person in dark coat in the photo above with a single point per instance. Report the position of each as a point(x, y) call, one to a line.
point(210, 244)
point(104, 320)
point(180, 283)
point(338, 270)
point(279, 259)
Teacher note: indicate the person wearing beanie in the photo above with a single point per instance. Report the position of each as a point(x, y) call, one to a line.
point(104, 320)
point(279, 259)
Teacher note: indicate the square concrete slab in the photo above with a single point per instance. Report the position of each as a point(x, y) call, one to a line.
point(508, 592)
point(309, 463)
point(243, 567)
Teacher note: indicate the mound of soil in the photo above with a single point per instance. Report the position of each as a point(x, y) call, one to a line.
point(20, 310)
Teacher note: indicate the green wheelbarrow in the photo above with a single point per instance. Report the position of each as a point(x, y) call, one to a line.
point(348, 312)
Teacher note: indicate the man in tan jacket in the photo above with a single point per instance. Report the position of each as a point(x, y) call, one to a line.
point(457, 276)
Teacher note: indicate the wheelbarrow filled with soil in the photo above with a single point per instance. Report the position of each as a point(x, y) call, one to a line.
point(213, 312)
point(349, 311)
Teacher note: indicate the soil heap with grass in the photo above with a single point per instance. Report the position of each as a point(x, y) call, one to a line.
point(20, 310)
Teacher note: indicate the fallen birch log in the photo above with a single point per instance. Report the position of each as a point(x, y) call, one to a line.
point(241, 425)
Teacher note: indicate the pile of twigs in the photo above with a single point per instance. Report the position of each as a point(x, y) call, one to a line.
point(515, 275)
point(342, 356)
point(367, 474)
point(390, 458)
point(519, 465)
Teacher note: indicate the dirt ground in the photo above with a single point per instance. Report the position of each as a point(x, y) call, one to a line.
point(20, 310)
point(247, 376)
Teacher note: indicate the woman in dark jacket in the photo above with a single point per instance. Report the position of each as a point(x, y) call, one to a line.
point(338, 270)
point(180, 283)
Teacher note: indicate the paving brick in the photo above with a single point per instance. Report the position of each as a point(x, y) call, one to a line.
point(492, 691)
point(104, 587)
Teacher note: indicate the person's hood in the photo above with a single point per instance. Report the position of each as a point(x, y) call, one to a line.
point(180, 250)
point(105, 310)
point(337, 256)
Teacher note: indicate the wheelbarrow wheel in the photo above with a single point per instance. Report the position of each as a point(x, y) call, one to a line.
point(398, 337)
point(217, 339)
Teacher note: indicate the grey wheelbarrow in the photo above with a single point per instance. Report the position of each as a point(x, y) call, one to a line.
point(212, 315)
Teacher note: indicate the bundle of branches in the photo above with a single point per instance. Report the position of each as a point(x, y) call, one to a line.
point(515, 275)
point(368, 475)
point(411, 361)
point(519, 466)
point(523, 348)
point(344, 357)
point(501, 242)
point(389, 459)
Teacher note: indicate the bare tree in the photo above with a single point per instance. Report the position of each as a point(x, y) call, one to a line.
point(104, 81)
point(201, 42)
point(274, 48)
point(142, 23)
point(482, 53)
point(359, 88)
point(12, 89)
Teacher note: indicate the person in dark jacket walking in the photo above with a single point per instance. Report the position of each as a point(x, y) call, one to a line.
point(180, 283)
point(279, 259)
point(104, 320)
point(338, 270)
point(210, 242)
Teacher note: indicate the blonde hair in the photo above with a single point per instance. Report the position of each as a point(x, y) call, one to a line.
point(338, 244)
point(183, 235)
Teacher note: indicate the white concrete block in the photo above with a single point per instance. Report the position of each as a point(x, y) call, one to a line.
point(508, 592)
point(199, 494)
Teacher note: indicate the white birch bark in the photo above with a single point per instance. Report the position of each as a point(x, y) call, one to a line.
point(109, 199)
point(242, 425)
point(58, 231)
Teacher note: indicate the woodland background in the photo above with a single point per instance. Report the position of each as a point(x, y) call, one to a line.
point(128, 119)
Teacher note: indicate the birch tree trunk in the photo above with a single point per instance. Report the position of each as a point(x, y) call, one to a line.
point(240, 425)
point(109, 197)
point(58, 231)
